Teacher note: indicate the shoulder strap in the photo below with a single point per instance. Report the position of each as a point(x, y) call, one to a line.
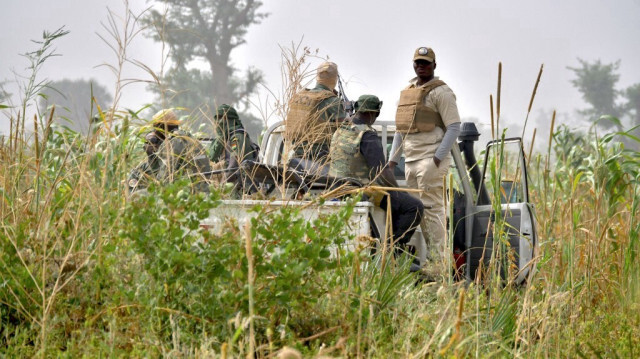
point(433, 84)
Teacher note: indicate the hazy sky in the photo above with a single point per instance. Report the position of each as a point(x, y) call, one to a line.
point(372, 42)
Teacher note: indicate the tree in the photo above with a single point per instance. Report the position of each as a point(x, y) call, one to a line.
point(596, 81)
point(72, 98)
point(632, 95)
point(4, 95)
point(204, 30)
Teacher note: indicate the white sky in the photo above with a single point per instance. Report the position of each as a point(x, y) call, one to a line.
point(372, 41)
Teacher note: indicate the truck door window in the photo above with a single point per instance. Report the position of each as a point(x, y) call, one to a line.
point(504, 172)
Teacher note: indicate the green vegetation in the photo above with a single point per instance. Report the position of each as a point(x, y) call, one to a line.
point(87, 271)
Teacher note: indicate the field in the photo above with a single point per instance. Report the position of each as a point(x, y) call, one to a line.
point(87, 271)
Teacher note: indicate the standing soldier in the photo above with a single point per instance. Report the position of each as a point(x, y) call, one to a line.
point(427, 124)
point(314, 114)
point(356, 151)
point(180, 153)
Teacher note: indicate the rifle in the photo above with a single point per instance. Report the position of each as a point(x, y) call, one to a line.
point(348, 105)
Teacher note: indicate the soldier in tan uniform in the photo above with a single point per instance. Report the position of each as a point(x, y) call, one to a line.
point(356, 152)
point(314, 115)
point(427, 124)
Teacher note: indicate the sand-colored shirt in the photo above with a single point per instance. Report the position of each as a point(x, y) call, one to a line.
point(418, 145)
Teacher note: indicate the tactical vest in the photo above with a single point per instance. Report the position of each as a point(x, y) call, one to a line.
point(412, 115)
point(346, 159)
point(304, 122)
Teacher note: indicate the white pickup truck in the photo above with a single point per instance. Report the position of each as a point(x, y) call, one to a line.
point(472, 240)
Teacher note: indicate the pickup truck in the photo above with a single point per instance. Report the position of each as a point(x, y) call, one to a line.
point(469, 217)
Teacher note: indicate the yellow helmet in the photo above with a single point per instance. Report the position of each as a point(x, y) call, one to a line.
point(165, 117)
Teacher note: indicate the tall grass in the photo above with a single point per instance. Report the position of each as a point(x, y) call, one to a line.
point(88, 272)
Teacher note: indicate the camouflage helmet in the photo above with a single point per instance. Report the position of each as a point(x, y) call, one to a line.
point(165, 117)
point(368, 103)
point(226, 111)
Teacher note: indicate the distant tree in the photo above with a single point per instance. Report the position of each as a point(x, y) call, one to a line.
point(4, 95)
point(597, 83)
point(206, 31)
point(72, 99)
point(632, 95)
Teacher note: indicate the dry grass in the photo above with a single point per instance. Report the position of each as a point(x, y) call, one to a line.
point(70, 286)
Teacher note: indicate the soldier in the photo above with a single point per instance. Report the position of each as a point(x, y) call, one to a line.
point(232, 143)
point(180, 154)
point(427, 124)
point(356, 151)
point(147, 169)
point(314, 114)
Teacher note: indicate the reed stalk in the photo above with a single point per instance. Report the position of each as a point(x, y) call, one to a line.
point(498, 97)
point(251, 280)
point(493, 131)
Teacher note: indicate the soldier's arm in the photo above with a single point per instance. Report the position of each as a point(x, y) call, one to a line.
point(242, 146)
point(216, 149)
point(335, 111)
point(236, 155)
point(138, 177)
point(396, 150)
point(445, 101)
point(371, 149)
point(449, 139)
point(387, 178)
point(134, 177)
point(342, 113)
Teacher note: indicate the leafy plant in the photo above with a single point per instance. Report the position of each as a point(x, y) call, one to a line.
point(204, 275)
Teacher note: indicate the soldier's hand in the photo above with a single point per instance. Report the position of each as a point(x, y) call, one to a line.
point(436, 160)
point(392, 165)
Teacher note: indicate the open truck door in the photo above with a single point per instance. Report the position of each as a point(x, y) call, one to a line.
point(502, 205)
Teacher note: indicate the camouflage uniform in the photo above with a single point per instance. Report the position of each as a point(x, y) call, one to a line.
point(346, 158)
point(232, 141)
point(141, 175)
point(179, 154)
point(356, 151)
point(182, 155)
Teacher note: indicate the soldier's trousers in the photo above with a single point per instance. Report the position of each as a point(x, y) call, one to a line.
point(406, 212)
point(426, 176)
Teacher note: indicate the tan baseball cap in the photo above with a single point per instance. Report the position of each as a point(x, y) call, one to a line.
point(424, 53)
